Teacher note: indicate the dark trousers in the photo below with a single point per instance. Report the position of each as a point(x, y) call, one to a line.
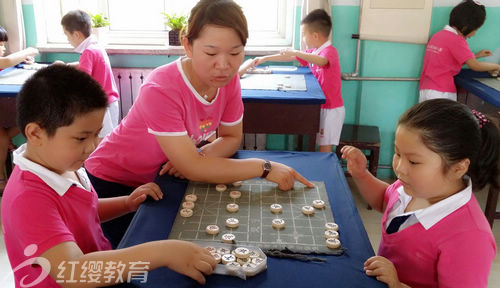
point(116, 228)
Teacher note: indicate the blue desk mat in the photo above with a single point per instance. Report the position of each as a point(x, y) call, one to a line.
point(465, 79)
point(154, 220)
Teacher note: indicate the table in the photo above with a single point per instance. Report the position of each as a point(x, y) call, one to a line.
point(154, 220)
point(476, 94)
point(285, 112)
point(8, 95)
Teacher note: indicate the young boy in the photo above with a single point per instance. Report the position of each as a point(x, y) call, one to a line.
point(49, 209)
point(77, 26)
point(323, 60)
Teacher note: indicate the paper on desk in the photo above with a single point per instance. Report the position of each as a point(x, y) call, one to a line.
point(282, 82)
point(491, 82)
point(16, 77)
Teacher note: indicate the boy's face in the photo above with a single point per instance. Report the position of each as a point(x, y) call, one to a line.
point(74, 38)
point(308, 37)
point(71, 145)
point(2, 48)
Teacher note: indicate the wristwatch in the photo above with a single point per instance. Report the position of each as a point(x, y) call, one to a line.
point(267, 168)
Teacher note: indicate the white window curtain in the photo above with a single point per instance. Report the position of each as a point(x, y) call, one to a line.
point(310, 5)
point(11, 19)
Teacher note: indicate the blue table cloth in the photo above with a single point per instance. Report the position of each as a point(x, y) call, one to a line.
point(154, 220)
point(465, 79)
point(313, 95)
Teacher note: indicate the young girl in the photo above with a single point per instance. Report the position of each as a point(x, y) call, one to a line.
point(7, 133)
point(434, 233)
point(447, 51)
point(181, 106)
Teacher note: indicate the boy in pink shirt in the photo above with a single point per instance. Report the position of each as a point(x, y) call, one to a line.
point(432, 221)
point(448, 50)
point(323, 60)
point(94, 61)
point(51, 214)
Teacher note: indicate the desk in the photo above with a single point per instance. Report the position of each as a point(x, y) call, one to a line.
point(154, 220)
point(8, 95)
point(476, 94)
point(285, 112)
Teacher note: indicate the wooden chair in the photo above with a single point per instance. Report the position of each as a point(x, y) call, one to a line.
point(364, 138)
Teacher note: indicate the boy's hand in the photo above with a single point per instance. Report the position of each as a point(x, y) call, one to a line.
point(289, 52)
point(483, 53)
point(140, 194)
point(285, 176)
point(170, 169)
point(356, 160)
point(383, 270)
point(189, 259)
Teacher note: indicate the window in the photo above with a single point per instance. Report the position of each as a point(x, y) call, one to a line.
point(135, 23)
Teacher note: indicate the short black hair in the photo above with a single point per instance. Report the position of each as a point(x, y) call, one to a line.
point(77, 20)
point(467, 16)
point(3, 35)
point(318, 21)
point(55, 95)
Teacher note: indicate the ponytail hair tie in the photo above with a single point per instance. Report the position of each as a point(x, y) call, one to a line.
point(480, 118)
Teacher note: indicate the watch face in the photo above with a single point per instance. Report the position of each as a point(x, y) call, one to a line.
point(267, 165)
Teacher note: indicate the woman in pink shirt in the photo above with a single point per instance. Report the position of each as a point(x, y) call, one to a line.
point(434, 233)
point(448, 51)
point(180, 107)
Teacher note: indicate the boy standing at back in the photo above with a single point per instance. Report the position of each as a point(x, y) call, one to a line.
point(323, 60)
point(94, 61)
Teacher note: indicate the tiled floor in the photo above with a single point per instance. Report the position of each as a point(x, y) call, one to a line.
point(371, 220)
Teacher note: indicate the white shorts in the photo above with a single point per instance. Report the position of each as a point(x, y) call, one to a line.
point(330, 126)
point(111, 119)
point(428, 94)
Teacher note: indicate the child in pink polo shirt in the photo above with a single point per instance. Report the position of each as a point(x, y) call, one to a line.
point(323, 60)
point(434, 233)
point(448, 51)
point(94, 61)
point(50, 212)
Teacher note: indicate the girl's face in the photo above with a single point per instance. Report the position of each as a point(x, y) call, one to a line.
point(471, 34)
point(216, 55)
point(71, 145)
point(2, 48)
point(421, 170)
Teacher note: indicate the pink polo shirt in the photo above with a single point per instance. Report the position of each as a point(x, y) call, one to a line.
point(328, 76)
point(167, 105)
point(451, 247)
point(445, 55)
point(95, 62)
point(41, 209)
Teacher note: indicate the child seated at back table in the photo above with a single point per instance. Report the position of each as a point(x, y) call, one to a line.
point(323, 60)
point(77, 26)
point(7, 133)
point(434, 233)
point(49, 208)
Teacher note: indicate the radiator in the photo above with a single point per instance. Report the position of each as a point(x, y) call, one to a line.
point(129, 81)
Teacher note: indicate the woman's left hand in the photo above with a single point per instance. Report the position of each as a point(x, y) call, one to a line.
point(170, 169)
point(383, 270)
point(141, 193)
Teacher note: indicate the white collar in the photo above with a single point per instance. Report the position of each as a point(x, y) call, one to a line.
point(190, 86)
point(85, 44)
point(59, 183)
point(437, 211)
point(451, 29)
point(320, 48)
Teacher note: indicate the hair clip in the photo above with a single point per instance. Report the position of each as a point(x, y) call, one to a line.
point(477, 2)
point(480, 117)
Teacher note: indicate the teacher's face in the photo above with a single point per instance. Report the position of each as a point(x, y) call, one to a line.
point(216, 55)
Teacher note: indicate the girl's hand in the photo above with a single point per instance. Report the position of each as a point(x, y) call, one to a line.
point(258, 60)
point(483, 53)
point(170, 169)
point(141, 193)
point(285, 176)
point(189, 259)
point(383, 270)
point(356, 160)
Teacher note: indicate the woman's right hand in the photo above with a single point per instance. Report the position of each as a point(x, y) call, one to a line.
point(356, 160)
point(285, 176)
